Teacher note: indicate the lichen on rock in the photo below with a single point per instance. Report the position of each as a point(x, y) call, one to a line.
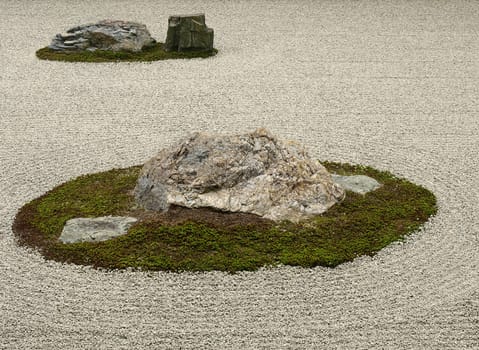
point(253, 173)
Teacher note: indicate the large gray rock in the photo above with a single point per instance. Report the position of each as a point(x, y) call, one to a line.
point(104, 35)
point(252, 173)
point(95, 229)
point(188, 32)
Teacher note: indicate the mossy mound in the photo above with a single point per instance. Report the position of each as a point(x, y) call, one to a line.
point(154, 53)
point(203, 240)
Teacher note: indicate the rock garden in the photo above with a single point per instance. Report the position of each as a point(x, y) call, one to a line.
point(116, 40)
point(212, 202)
point(224, 202)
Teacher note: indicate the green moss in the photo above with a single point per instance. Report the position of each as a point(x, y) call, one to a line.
point(360, 225)
point(154, 53)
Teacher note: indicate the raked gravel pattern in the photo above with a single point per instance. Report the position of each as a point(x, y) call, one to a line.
point(390, 84)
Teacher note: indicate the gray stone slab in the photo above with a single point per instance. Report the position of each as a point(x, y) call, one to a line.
point(95, 229)
point(361, 184)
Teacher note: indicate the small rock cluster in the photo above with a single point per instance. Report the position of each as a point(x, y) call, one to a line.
point(104, 35)
point(252, 173)
point(185, 33)
point(188, 32)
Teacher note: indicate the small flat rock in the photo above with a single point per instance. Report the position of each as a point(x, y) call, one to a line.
point(361, 184)
point(95, 229)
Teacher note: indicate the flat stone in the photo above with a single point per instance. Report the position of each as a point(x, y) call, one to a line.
point(95, 229)
point(252, 173)
point(361, 184)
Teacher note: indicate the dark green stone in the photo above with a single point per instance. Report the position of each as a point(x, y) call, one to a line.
point(188, 33)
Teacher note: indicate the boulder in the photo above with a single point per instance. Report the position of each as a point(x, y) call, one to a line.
point(95, 229)
point(187, 33)
point(104, 35)
point(252, 173)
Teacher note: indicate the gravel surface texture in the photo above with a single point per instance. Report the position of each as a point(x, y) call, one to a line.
point(390, 84)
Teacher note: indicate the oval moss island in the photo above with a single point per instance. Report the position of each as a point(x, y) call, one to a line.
point(154, 53)
point(203, 239)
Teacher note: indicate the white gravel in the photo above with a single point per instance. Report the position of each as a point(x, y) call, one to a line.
point(391, 84)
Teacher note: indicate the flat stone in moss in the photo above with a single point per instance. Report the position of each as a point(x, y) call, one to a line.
point(361, 184)
point(95, 229)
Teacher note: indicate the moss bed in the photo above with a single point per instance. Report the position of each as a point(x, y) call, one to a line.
point(203, 239)
point(155, 53)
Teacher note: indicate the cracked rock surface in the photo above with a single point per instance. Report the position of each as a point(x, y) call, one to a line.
point(251, 173)
point(108, 35)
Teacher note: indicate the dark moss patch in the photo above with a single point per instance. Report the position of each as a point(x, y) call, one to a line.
point(155, 53)
point(202, 239)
